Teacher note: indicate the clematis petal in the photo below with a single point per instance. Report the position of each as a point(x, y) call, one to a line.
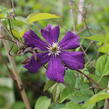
point(35, 63)
point(73, 60)
point(55, 69)
point(70, 41)
point(32, 40)
point(51, 33)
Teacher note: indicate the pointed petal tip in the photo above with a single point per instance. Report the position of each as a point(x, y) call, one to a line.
point(70, 41)
point(51, 33)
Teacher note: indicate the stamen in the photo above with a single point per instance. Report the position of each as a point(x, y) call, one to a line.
point(54, 49)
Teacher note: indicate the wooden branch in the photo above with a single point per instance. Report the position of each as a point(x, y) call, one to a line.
point(14, 70)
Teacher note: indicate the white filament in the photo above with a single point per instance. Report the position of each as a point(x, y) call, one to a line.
point(54, 49)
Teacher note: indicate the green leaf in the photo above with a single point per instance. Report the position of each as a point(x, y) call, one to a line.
point(18, 33)
point(18, 105)
point(48, 85)
point(2, 15)
point(100, 38)
point(5, 89)
point(40, 16)
point(102, 65)
point(56, 92)
point(19, 21)
point(2, 101)
point(95, 38)
point(43, 103)
point(70, 78)
point(104, 48)
point(106, 39)
point(96, 98)
point(91, 106)
point(56, 106)
point(65, 94)
point(72, 105)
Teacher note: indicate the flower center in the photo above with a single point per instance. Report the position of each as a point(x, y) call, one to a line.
point(54, 49)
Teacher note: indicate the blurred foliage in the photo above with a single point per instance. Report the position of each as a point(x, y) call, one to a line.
point(77, 92)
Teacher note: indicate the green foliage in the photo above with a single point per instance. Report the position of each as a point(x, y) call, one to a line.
point(3, 12)
point(18, 33)
point(40, 16)
point(102, 40)
point(48, 85)
point(4, 89)
point(96, 38)
point(2, 101)
point(104, 48)
point(42, 102)
point(102, 65)
point(18, 105)
point(56, 89)
point(96, 98)
point(72, 105)
point(57, 106)
point(65, 94)
point(70, 78)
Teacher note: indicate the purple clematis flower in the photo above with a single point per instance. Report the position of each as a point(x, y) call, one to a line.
point(54, 52)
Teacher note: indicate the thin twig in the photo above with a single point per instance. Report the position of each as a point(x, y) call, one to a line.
point(10, 28)
point(91, 80)
point(13, 8)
